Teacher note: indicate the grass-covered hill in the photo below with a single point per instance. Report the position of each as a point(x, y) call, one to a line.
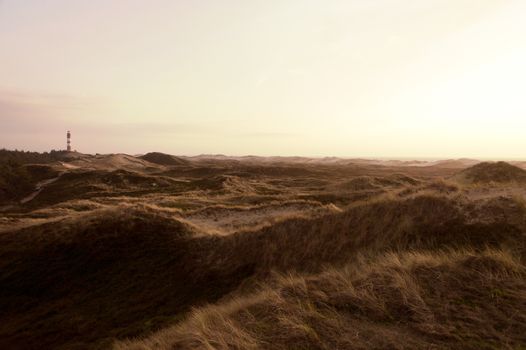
point(498, 172)
point(21, 170)
point(164, 159)
point(108, 274)
point(414, 300)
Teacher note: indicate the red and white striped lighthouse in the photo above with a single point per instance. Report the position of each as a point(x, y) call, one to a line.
point(69, 141)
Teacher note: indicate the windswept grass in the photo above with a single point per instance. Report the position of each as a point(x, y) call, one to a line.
point(400, 300)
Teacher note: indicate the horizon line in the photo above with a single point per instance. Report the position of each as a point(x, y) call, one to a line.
point(382, 158)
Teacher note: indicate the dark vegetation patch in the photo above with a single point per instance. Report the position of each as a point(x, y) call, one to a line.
point(20, 171)
point(25, 157)
point(15, 181)
point(116, 274)
point(39, 172)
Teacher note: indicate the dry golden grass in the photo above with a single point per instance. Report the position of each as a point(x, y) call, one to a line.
point(146, 269)
point(399, 300)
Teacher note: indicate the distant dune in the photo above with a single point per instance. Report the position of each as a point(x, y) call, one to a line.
point(456, 163)
point(448, 163)
point(499, 172)
point(114, 162)
point(163, 159)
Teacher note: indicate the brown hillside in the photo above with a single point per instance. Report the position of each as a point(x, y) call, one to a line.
point(164, 159)
point(500, 172)
point(84, 281)
point(82, 184)
point(127, 272)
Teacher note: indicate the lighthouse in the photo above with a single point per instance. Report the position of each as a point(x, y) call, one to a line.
point(69, 141)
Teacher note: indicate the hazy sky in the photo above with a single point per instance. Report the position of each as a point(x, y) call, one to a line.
point(369, 78)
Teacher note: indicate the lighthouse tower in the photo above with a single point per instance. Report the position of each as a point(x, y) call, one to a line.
point(69, 141)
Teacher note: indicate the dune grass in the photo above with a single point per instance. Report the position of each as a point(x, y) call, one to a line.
point(128, 271)
point(397, 300)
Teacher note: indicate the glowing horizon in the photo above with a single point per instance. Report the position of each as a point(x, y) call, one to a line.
point(349, 78)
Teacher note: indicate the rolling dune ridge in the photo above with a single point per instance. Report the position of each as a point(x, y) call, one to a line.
point(250, 254)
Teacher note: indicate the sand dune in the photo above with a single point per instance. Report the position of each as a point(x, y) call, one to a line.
point(119, 252)
point(499, 172)
point(163, 159)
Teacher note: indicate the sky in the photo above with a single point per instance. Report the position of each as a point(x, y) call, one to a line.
point(348, 78)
